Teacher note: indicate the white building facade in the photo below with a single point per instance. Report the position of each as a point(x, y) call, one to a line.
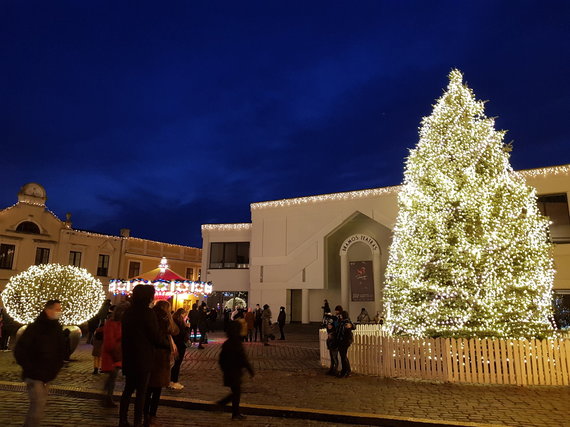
point(297, 252)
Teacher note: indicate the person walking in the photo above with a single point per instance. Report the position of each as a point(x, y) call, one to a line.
point(140, 337)
point(344, 338)
point(202, 327)
point(193, 319)
point(250, 321)
point(326, 308)
point(266, 324)
point(257, 322)
point(40, 352)
point(232, 362)
point(97, 349)
point(163, 360)
point(180, 341)
point(112, 352)
point(281, 321)
point(330, 323)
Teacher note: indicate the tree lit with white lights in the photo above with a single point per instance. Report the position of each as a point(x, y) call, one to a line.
point(80, 293)
point(470, 255)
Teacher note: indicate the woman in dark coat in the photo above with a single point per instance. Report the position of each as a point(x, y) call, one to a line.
point(180, 341)
point(139, 339)
point(344, 340)
point(281, 321)
point(232, 361)
point(163, 357)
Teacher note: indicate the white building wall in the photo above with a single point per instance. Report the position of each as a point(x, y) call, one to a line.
point(292, 241)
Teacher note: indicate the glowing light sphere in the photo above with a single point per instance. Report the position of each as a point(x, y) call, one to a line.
point(80, 293)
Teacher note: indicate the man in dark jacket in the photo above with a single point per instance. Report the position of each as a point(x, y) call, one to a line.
point(281, 321)
point(40, 352)
point(233, 361)
point(193, 319)
point(257, 323)
point(140, 336)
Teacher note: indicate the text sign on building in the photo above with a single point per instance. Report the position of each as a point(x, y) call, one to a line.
point(361, 281)
point(359, 238)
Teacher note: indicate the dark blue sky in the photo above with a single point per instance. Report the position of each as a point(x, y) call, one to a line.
point(162, 116)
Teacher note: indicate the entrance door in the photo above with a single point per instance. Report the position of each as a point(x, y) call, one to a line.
point(296, 305)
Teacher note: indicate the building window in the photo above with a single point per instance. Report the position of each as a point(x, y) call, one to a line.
point(28, 227)
point(75, 258)
point(134, 269)
point(229, 255)
point(190, 273)
point(7, 256)
point(199, 275)
point(42, 256)
point(103, 265)
point(555, 206)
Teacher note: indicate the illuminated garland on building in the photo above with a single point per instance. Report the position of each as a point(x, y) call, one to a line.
point(226, 227)
point(80, 293)
point(348, 195)
point(470, 255)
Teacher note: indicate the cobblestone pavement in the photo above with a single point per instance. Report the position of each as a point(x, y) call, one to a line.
point(288, 374)
point(69, 411)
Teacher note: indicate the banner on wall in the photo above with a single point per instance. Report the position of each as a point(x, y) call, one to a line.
point(362, 281)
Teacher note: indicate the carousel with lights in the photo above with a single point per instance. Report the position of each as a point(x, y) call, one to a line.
point(168, 285)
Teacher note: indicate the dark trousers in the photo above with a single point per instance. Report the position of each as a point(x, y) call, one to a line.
point(281, 331)
point(334, 360)
point(132, 383)
point(234, 397)
point(258, 329)
point(203, 336)
point(110, 383)
point(343, 350)
point(175, 371)
point(151, 402)
point(249, 335)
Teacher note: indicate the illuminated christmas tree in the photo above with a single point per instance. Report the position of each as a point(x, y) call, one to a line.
point(80, 293)
point(470, 254)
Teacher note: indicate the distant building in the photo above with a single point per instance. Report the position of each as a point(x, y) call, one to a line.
point(297, 252)
point(32, 234)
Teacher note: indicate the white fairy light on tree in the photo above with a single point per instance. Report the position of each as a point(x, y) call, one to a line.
point(470, 254)
point(80, 293)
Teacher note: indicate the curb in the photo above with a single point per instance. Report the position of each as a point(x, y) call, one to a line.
point(265, 410)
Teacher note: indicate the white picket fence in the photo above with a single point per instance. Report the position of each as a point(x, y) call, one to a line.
point(485, 361)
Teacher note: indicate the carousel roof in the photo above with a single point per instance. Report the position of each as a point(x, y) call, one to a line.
point(159, 274)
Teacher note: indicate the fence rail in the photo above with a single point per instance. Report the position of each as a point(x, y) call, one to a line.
point(486, 361)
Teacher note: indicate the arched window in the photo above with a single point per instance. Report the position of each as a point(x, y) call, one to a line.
point(28, 227)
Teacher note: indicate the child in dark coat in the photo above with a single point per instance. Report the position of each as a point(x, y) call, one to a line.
point(232, 362)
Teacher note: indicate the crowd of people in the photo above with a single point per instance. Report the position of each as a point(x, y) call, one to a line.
point(146, 341)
